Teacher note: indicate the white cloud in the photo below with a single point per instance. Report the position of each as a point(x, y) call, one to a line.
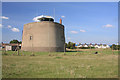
point(82, 31)
point(9, 26)
point(15, 29)
point(63, 16)
point(74, 32)
point(4, 17)
point(1, 25)
point(35, 19)
point(69, 38)
point(108, 26)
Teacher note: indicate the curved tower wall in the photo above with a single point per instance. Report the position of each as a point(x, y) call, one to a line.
point(43, 36)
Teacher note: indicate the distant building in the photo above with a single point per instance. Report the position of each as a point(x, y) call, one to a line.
point(107, 46)
point(80, 45)
point(9, 47)
point(97, 46)
point(93, 45)
point(85, 45)
point(90, 45)
point(118, 43)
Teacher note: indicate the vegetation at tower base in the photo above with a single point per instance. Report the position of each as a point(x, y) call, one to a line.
point(87, 48)
point(70, 45)
point(115, 47)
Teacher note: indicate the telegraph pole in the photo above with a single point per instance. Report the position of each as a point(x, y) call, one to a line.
point(54, 14)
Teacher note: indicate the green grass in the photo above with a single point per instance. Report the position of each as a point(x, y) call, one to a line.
point(80, 64)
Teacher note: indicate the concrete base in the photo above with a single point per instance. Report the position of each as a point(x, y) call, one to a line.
point(43, 49)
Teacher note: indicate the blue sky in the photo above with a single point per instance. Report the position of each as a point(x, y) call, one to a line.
point(85, 22)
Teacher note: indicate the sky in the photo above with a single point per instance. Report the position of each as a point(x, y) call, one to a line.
point(84, 22)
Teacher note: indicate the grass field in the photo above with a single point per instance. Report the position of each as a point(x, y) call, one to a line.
point(80, 64)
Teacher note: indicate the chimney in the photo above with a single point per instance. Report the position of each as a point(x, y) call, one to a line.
point(60, 21)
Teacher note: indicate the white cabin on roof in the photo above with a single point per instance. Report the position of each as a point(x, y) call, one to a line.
point(43, 18)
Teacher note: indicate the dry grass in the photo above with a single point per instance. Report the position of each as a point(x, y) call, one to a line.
point(81, 64)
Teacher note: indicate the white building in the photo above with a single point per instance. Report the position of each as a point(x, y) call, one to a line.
point(8, 47)
point(93, 45)
point(80, 45)
point(90, 45)
point(97, 46)
point(85, 45)
point(12, 47)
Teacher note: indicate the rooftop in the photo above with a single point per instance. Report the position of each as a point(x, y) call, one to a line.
point(43, 18)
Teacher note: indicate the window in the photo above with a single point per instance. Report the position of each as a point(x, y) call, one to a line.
point(47, 19)
point(30, 37)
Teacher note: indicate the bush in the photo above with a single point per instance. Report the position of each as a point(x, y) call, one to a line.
point(115, 47)
point(15, 41)
point(87, 48)
point(70, 45)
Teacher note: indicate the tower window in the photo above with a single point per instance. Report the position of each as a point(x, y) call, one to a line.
point(30, 37)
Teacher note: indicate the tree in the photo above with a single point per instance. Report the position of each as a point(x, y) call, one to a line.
point(115, 47)
point(15, 41)
point(65, 44)
point(70, 45)
point(73, 45)
point(20, 42)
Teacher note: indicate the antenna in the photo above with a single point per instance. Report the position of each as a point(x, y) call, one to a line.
point(54, 14)
point(37, 12)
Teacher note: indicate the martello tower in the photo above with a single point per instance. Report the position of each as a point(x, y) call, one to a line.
point(45, 35)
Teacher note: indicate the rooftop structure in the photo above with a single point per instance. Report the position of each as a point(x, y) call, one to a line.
point(43, 18)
